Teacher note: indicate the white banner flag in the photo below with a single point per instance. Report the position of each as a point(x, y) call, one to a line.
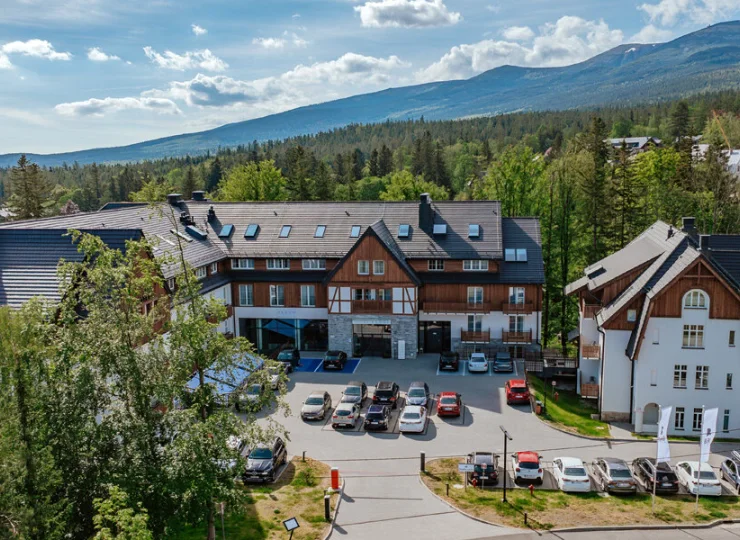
point(708, 430)
point(664, 452)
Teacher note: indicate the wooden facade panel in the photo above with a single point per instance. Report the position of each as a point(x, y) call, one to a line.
point(422, 265)
point(620, 320)
point(614, 288)
point(370, 249)
point(292, 294)
point(494, 294)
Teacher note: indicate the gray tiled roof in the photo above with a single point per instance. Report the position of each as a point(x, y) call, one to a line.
point(724, 254)
point(523, 232)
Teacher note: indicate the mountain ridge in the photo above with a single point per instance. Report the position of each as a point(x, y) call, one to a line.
point(708, 59)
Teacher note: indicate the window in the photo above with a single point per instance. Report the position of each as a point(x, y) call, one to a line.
point(436, 265)
point(516, 323)
point(363, 268)
point(320, 231)
point(656, 337)
point(358, 295)
point(631, 315)
point(521, 255)
point(475, 323)
point(171, 284)
point(653, 377)
point(378, 268)
point(475, 295)
point(308, 295)
point(696, 423)
point(473, 231)
point(728, 381)
point(732, 338)
point(200, 272)
point(702, 377)
point(214, 268)
point(516, 295)
point(355, 231)
point(278, 264)
point(679, 376)
point(403, 231)
point(226, 231)
point(385, 295)
point(246, 295)
point(695, 300)
point(475, 265)
point(693, 336)
point(251, 231)
point(314, 264)
point(277, 295)
point(726, 421)
point(510, 255)
point(439, 229)
point(285, 231)
point(679, 418)
point(242, 264)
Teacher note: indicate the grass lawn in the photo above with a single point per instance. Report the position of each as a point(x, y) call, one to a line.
point(266, 507)
point(555, 509)
point(568, 412)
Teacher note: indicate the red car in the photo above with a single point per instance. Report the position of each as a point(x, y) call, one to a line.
point(450, 404)
point(517, 391)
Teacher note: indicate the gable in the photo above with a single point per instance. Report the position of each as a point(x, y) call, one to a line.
point(369, 248)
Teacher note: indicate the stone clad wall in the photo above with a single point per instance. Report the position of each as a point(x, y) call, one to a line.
point(403, 327)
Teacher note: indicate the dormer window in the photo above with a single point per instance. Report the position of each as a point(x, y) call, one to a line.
point(355, 231)
point(285, 231)
point(404, 230)
point(320, 230)
point(440, 229)
point(251, 231)
point(695, 300)
point(473, 230)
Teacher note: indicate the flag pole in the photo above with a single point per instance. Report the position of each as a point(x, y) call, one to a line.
point(698, 473)
point(657, 457)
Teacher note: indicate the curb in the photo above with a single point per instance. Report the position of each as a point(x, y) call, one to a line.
point(336, 512)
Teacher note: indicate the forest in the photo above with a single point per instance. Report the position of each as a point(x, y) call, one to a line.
point(591, 198)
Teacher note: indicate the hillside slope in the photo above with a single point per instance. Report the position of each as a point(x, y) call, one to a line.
point(708, 59)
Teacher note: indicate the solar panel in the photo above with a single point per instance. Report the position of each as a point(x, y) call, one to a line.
point(226, 231)
point(403, 231)
point(251, 231)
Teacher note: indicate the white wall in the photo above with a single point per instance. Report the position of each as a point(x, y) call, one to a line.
point(496, 322)
point(615, 380)
point(281, 313)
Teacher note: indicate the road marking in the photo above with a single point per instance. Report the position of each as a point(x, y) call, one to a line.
point(516, 371)
point(356, 366)
point(321, 364)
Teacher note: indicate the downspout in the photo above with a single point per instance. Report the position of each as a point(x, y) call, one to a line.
point(632, 388)
point(601, 381)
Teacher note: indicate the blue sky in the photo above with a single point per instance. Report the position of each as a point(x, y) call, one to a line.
point(78, 74)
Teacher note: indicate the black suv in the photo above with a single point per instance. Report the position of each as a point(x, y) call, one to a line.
point(377, 417)
point(335, 360)
point(264, 461)
point(449, 360)
point(290, 355)
point(386, 393)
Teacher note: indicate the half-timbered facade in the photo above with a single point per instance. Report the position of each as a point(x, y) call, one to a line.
point(658, 326)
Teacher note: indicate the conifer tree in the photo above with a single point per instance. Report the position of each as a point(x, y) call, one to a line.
point(30, 191)
point(373, 165)
point(385, 161)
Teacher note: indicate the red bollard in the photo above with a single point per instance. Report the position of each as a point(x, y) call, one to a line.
point(556, 396)
point(335, 478)
point(531, 489)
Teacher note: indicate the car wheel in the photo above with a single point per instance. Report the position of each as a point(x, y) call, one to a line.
point(334, 426)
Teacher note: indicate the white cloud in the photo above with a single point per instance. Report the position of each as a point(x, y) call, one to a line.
point(198, 30)
point(38, 48)
point(203, 59)
point(96, 55)
point(296, 16)
point(518, 33)
point(297, 40)
point(406, 13)
point(493, 8)
point(269, 43)
point(24, 116)
point(652, 34)
point(569, 40)
point(101, 107)
point(670, 12)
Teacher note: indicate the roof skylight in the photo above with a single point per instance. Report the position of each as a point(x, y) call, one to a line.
point(521, 255)
point(285, 231)
point(440, 229)
point(252, 230)
point(404, 230)
point(474, 230)
point(355, 232)
point(510, 255)
point(320, 231)
point(226, 231)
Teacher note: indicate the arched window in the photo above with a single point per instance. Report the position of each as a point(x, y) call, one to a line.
point(695, 300)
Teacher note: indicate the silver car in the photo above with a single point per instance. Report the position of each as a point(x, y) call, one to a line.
point(345, 415)
point(316, 406)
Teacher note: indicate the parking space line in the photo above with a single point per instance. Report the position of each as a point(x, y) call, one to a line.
point(357, 365)
point(321, 365)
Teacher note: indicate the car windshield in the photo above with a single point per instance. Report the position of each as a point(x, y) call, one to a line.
point(254, 390)
point(411, 416)
point(332, 356)
point(343, 412)
point(261, 453)
point(449, 356)
point(503, 360)
point(374, 415)
point(620, 473)
point(518, 390)
point(417, 392)
point(575, 471)
point(353, 391)
point(285, 355)
point(386, 392)
point(706, 475)
point(315, 401)
point(529, 465)
point(448, 401)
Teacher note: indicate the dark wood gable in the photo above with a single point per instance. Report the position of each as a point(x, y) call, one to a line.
point(369, 248)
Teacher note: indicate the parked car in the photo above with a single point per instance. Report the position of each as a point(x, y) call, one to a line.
point(516, 391)
point(276, 373)
point(644, 469)
point(571, 475)
point(354, 392)
point(418, 394)
point(386, 393)
point(264, 461)
point(378, 417)
point(250, 398)
point(730, 470)
point(345, 415)
point(335, 360)
point(478, 363)
point(527, 467)
point(293, 356)
point(449, 360)
point(697, 477)
point(614, 475)
point(502, 362)
point(316, 406)
point(413, 419)
point(450, 404)
point(485, 467)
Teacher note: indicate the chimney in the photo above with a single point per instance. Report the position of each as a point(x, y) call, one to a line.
point(704, 242)
point(426, 214)
point(173, 199)
point(199, 196)
point(688, 225)
point(211, 214)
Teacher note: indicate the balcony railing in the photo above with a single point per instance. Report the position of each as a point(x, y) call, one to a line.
point(590, 311)
point(475, 337)
point(526, 308)
point(591, 351)
point(457, 307)
point(517, 337)
point(590, 390)
point(372, 306)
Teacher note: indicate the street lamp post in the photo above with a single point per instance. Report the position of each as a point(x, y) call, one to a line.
point(507, 438)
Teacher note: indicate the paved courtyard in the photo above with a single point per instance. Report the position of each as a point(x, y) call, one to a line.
point(383, 494)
